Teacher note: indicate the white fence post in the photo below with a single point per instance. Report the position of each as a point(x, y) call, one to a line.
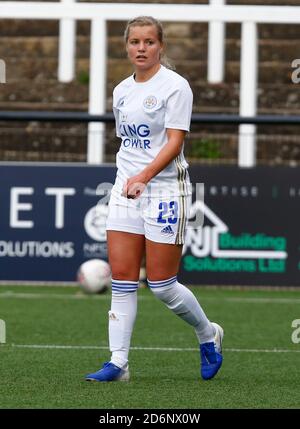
point(248, 87)
point(2, 71)
point(2, 332)
point(216, 48)
point(97, 90)
point(66, 47)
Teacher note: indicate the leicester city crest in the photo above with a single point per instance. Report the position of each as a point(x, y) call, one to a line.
point(150, 102)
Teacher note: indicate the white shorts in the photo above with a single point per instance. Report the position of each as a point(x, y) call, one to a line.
point(159, 219)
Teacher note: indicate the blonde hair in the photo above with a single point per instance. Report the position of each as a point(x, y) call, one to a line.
point(141, 21)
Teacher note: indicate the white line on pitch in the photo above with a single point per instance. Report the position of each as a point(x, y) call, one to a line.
point(19, 295)
point(262, 300)
point(160, 349)
point(265, 300)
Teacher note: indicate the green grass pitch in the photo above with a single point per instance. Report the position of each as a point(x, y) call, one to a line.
point(55, 335)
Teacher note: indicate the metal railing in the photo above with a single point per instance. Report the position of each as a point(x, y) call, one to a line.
point(99, 14)
point(197, 118)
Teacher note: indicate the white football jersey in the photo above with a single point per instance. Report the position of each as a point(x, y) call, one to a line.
point(143, 112)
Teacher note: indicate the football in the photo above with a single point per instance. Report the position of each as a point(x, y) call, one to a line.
point(94, 276)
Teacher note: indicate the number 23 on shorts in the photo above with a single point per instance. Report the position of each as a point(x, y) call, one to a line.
point(169, 208)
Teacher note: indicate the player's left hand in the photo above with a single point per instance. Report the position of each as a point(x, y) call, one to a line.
point(134, 187)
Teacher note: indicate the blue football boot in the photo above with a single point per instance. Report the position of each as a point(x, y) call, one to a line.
point(109, 372)
point(211, 354)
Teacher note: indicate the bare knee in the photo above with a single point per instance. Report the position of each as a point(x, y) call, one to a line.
point(125, 273)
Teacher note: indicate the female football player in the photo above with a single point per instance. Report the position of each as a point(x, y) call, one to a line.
point(149, 204)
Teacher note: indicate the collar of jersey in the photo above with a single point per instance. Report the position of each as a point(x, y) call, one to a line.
point(155, 76)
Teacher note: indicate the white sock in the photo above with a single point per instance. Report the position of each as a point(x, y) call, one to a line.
point(121, 319)
point(184, 303)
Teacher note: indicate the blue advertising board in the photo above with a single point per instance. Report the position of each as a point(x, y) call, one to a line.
point(250, 230)
point(53, 219)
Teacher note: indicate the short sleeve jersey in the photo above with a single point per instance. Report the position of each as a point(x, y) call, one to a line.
point(143, 113)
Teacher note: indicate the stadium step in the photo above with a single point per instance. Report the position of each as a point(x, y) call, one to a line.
point(224, 97)
point(177, 49)
point(46, 68)
point(44, 91)
point(270, 96)
point(194, 70)
point(35, 143)
point(40, 106)
point(39, 47)
point(69, 144)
